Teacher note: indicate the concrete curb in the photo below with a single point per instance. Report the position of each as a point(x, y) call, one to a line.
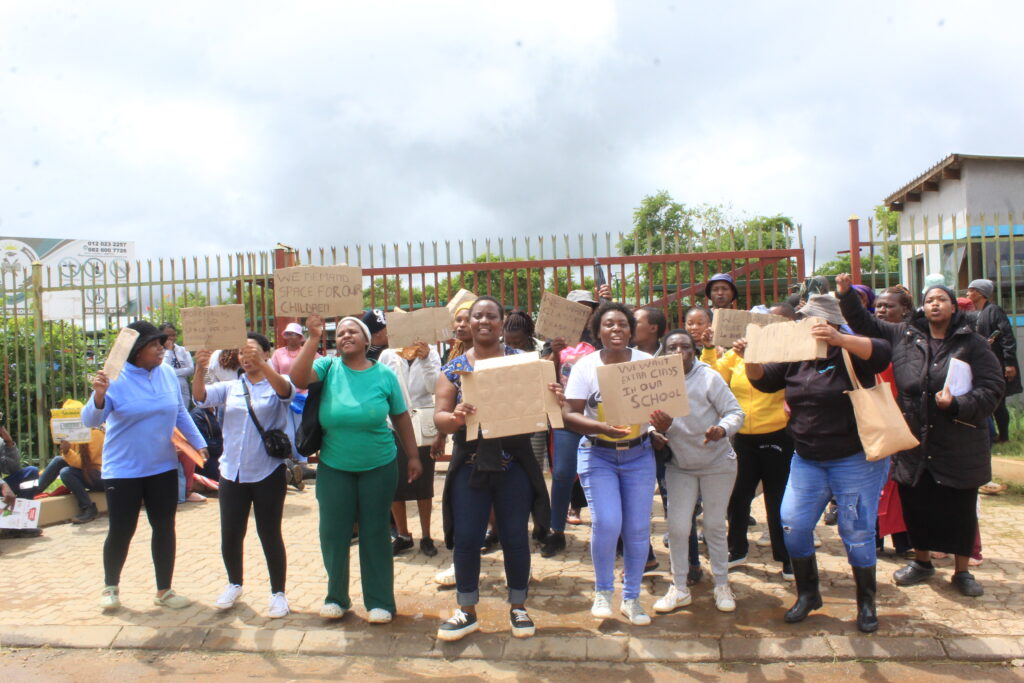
point(497, 647)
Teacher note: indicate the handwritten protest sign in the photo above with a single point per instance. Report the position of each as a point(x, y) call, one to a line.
point(327, 291)
point(461, 296)
point(119, 352)
point(24, 515)
point(729, 325)
point(214, 327)
point(503, 412)
point(430, 325)
point(560, 317)
point(630, 392)
point(786, 342)
point(66, 425)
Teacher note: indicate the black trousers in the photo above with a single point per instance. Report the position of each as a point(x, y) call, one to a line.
point(124, 501)
point(1001, 417)
point(764, 459)
point(266, 499)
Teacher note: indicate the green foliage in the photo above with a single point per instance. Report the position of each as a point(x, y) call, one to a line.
point(169, 309)
point(886, 257)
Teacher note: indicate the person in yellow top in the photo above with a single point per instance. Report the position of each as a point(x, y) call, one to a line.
point(763, 452)
point(82, 473)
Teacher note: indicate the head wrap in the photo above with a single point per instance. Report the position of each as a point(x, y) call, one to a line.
point(357, 321)
point(869, 293)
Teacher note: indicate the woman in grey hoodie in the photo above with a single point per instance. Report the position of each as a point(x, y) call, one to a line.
point(703, 464)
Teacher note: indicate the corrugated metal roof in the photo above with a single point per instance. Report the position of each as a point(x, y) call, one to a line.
point(934, 174)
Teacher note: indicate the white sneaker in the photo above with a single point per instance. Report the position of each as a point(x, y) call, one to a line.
point(673, 599)
point(278, 606)
point(379, 615)
point(817, 541)
point(229, 597)
point(332, 610)
point(634, 611)
point(602, 608)
point(765, 540)
point(725, 601)
point(447, 577)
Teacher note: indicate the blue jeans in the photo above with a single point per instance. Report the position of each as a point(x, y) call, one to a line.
point(563, 474)
point(512, 498)
point(620, 489)
point(23, 476)
point(76, 482)
point(855, 483)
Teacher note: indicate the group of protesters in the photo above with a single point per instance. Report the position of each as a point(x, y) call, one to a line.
point(386, 415)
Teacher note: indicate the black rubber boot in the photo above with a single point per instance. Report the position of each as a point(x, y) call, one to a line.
point(867, 617)
point(808, 597)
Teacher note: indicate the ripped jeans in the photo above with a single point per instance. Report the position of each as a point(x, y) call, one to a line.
point(856, 485)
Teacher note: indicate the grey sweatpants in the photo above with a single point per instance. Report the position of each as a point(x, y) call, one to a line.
point(714, 490)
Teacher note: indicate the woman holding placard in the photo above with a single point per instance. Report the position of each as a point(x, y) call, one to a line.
point(829, 460)
point(358, 471)
point(616, 467)
point(939, 480)
point(141, 408)
point(250, 478)
point(485, 473)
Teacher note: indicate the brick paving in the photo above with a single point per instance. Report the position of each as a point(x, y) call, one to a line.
point(51, 585)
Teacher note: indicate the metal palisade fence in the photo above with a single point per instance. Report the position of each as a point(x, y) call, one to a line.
point(58, 324)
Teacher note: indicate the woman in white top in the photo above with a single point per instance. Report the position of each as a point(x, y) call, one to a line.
point(179, 359)
point(249, 477)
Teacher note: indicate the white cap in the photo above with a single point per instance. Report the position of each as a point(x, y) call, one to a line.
point(294, 328)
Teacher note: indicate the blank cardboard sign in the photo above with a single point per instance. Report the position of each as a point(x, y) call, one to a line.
point(430, 325)
point(729, 325)
point(511, 396)
point(786, 342)
point(119, 352)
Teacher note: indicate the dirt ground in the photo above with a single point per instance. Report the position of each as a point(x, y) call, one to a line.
point(44, 665)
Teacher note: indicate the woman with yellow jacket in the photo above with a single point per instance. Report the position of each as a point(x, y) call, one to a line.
point(763, 452)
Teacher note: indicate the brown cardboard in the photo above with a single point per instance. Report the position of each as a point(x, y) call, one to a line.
point(729, 325)
point(631, 391)
point(214, 327)
point(327, 291)
point(461, 296)
point(511, 396)
point(430, 325)
point(787, 342)
point(119, 352)
point(560, 317)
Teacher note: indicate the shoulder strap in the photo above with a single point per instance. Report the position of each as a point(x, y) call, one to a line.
point(849, 369)
point(248, 404)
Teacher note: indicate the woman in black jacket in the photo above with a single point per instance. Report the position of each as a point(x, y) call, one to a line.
point(939, 479)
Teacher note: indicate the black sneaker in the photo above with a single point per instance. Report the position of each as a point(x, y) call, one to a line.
point(459, 626)
point(86, 515)
point(490, 542)
point(694, 575)
point(751, 521)
point(522, 625)
point(553, 544)
point(427, 547)
point(913, 573)
point(401, 544)
point(735, 560)
point(967, 585)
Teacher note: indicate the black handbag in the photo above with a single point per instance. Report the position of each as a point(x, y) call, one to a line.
point(310, 435)
point(275, 441)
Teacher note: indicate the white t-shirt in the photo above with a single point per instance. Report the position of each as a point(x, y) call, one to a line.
point(582, 385)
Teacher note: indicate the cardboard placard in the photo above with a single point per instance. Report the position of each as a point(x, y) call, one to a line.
point(560, 317)
point(787, 342)
point(119, 352)
point(729, 325)
point(327, 291)
point(214, 327)
point(66, 425)
point(461, 296)
point(24, 515)
point(511, 396)
point(430, 325)
point(631, 391)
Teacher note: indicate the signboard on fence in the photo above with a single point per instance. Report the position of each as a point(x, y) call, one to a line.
point(786, 342)
point(214, 327)
point(729, 325)
point(430, 325)
point(99, 270)
point(501, 412)
point(327, 291)
point(560, 317)
point(631, 391)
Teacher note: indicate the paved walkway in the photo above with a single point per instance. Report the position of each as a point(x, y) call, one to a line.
point(51, 585)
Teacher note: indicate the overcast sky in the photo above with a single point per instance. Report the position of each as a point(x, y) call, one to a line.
point(213, 127)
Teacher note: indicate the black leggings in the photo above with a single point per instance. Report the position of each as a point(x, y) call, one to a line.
point(266, 497)
point(1001, 417)
point(124, 499)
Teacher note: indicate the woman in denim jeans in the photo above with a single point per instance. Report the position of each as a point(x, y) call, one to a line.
point(829, 460)
point(616, 467)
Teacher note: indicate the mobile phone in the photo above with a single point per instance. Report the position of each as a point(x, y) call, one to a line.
point(598, 275)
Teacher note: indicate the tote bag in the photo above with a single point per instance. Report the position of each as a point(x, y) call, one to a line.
point(880, 423)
